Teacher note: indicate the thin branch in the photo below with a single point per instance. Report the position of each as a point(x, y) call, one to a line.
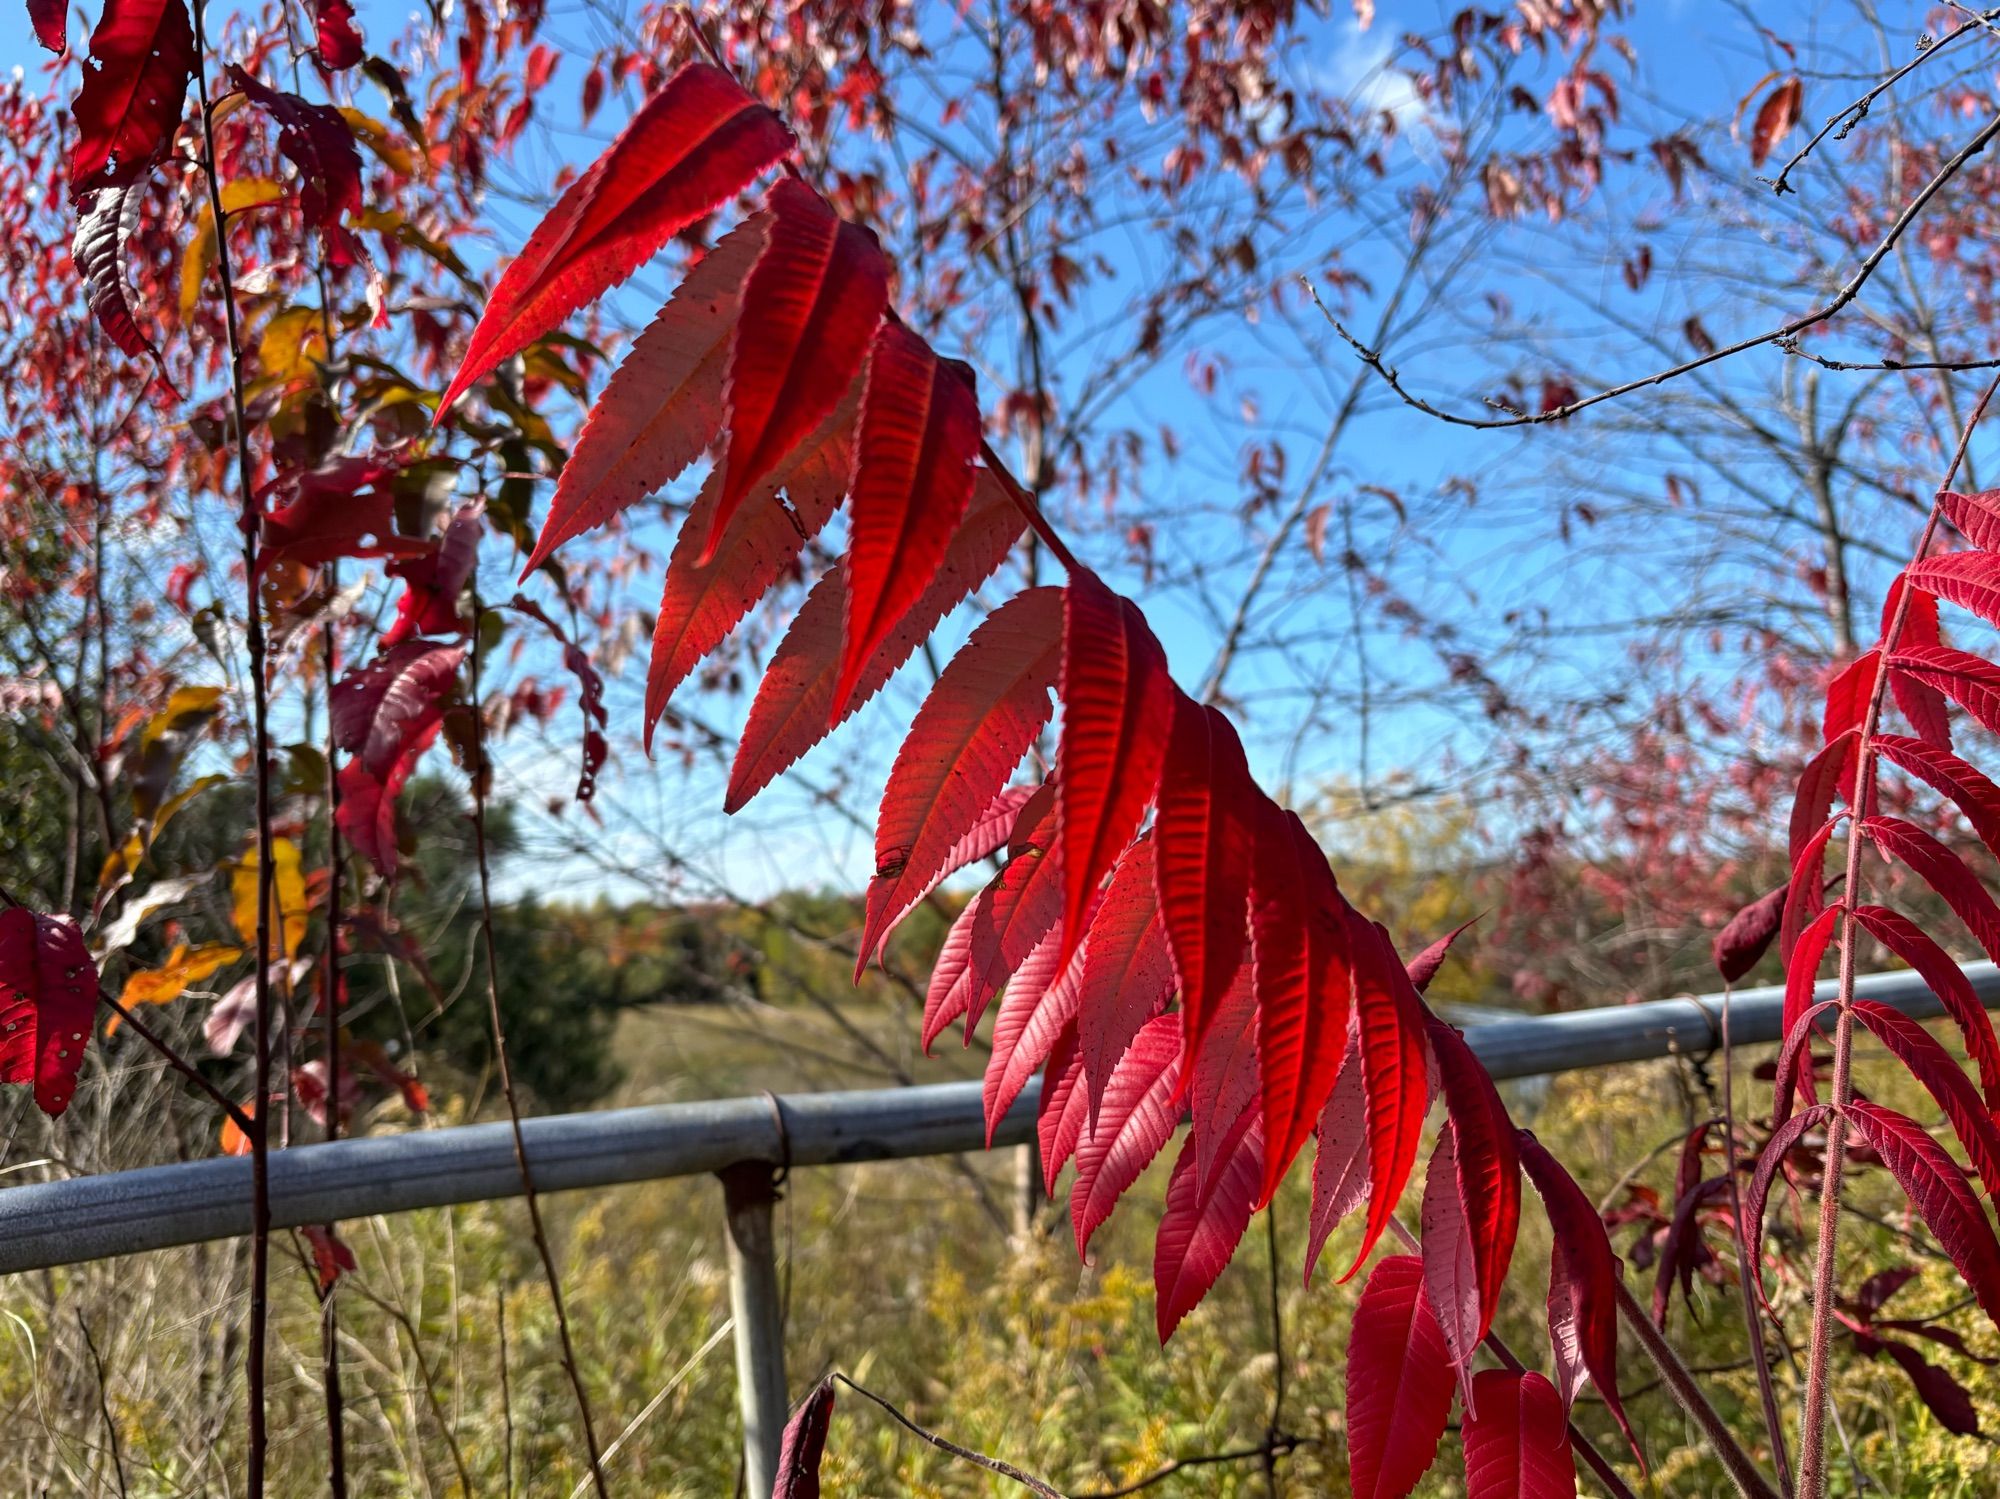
point(479, 779)
point(1780, 336)
point(330, 996)
point(104, 1404)
point(1027, 1481)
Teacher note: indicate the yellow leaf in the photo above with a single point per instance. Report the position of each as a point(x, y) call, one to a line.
point(244, 192)
point(375, 135)
point(288, 898)
point(185, 966)
point(185, 707)
point(290, 343)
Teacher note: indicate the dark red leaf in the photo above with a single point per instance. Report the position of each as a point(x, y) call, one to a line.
point(1472, 1215)
point(1922, 704)
point(1425, 965)
point(1802, 969)
point(1785, 1138)
point(106, 220)
point(1203, 838)
point(51, 24)
point(368, 803)
point(1977, 797)
point(1933, 1066)
point(794, 700)
point(48, 1005)
point(663, 403)
point(1117, 710)
point(804, 1444)
point(1945, 1396)
point(385, 706)
point(1303, 975)
point(1133, 1124)
point(694, 143)
point(913, 473)
point(1517, 1439)
point(333, 27)
point(810, 309)
point(330, 1255)
point(1399, 1382)
point(1942, 870)
point(316, 140)
point(1775, 118)
point(1829, 774)
point(1936, 1186)
point(1583, 1285)
point(1948, 982)
point(988, 705)
point(345, 508)
point(433, 582)
point(1805, 895)
point(130, 103)
point(1203, 1223)
point(1743, 942)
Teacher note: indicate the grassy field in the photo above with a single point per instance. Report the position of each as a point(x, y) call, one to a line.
point(904, 1275)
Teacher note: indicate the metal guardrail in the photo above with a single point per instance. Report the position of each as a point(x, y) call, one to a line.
point(744, 1141)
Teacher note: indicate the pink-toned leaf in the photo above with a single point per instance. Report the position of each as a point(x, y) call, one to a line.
point(1133, 1124)
point(1977, 516)
point(1848, 695)
point(1977, 797)
point(913, 473)
point(794, 701)
point(1222, 1082)
point(804, 1444)
point(1395, 1063)
point(699, 140)
point(1476, 1210)
point(703, 601)
point(1946, 980)
point(1517, 1438)
point(1203, 838)
point(1117, 710)
point(663, 403)
point(1340, 1165)
point(1970, 580)
point(1064, 1111)
point(1399, 1382)
point(1203, 1223)
point(134, 86)
point(48, 1005)
point(1303, 975)
point(810, 309)
point(1037, 1006)
point(988, 705)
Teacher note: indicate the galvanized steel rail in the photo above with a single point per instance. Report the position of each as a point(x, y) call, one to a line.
point(745, 1141)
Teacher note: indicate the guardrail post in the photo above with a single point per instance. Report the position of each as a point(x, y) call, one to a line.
point(749, 1192)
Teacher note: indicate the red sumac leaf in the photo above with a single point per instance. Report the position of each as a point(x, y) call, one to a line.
point(1972, 683)
point(1977, 516)
point(1805, 895)
point(1063, 1111)
point(1583, 1285)
point(701, 602)
point(1477, 1209)
point(1204, 1222)
point(1948, 982)
point(1829, 774)
point(130, 103)
point(698, 140)
point(986, 708)
point(1222, 1082)
point(804, 1444)
point(1517, 1439)
point(1970, 580)
point(1127, 974)
point(48, 1005)
point(1943, 871)
point(1743, 942)
point(1037, 1006)
point(794, 701)
point(1133, 1124)
point(1203, 838)
point(1117, 711)
point(50, 20)
point(1977, 797)
point(1802, 968)
point(1395, 1070)
point(1303, 976)
point(334, 30)
point(1399, 1382)
point(367, 817)
point(663, 404)
point(1848, 695)
point(1936, 1186)
point(1792, 1075)
point(913, 473)
point(433, 582)
point(331, 1257)
point(810, 309)
point(1922, 704)
point(1784, 1139)
point(1425, 965)
point(1945, 1396)
point(1340, 1165)
point(1930, 1064)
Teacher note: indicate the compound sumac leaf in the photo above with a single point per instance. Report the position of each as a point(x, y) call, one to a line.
point(1202, 843)
point(810, 310)
point(913, 473)
point(698, 140)
point(130, 103)
point(988, 705)
point(1517, 1439)
point(48, 1005)
point(1118, 706)
point(1399, 1382)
